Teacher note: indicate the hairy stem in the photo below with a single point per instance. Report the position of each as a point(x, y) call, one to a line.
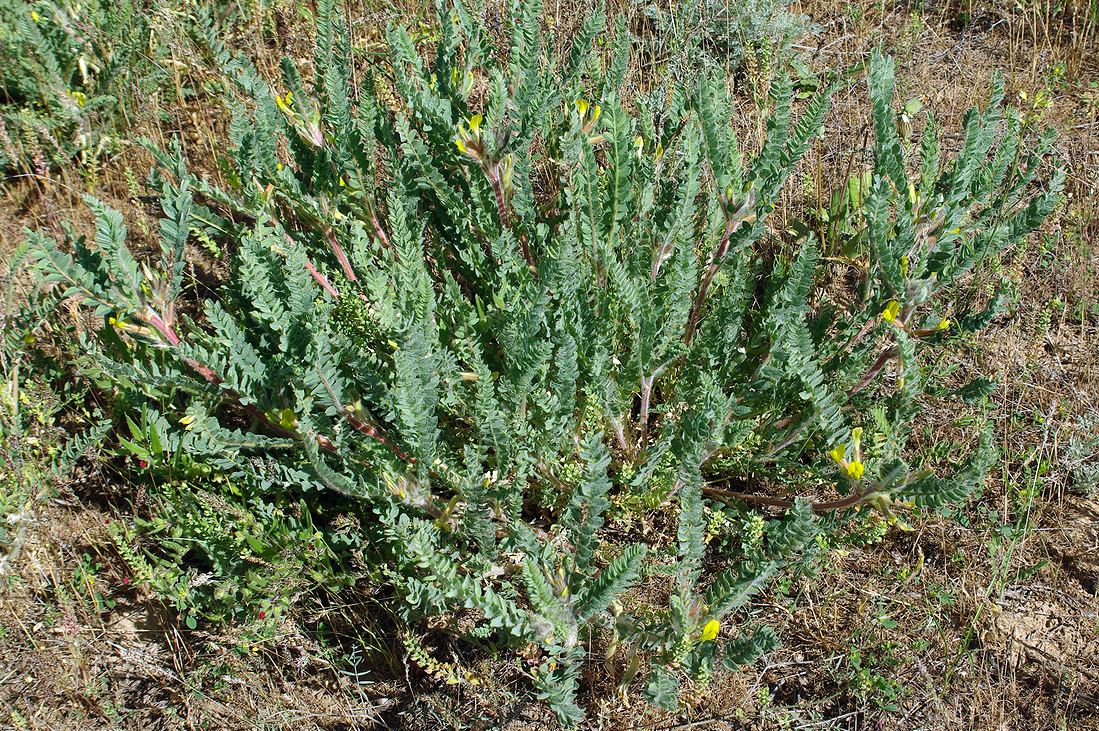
point(341, 257)
point(321, 280)
point(707, 280)
point(492, 172)
point(359, 425)
point(210, 376)
point(886, 356)
point(643, 416)
point(378, 230)
point(620, 435)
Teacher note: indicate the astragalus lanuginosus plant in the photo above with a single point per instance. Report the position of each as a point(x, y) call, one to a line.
point(486, 297)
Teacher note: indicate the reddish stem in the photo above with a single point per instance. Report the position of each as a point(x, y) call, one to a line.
point(322, 280)
point(213, 378)
point(884, 358)
point(707, 280)
point(162, 327)
point(359, 425)
point(373, 433)
point(861, 333)
point(341, 257)
point(378, 230)
point(492, 172)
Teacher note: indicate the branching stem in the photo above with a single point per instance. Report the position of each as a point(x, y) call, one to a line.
point(824, 506)
point(210, 376)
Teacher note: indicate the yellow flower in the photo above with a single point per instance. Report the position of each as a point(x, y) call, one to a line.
point(943, 324)
point(889, 314)
point(639, 143)
point(904, 266)
point(856, 435)
point(475, 124)
point(709, 632)
point(35, 16)
point(855, 470)
point(284, 417)
point(595, 113)
point(582, 107)
point(838, 453)
point(459, 144)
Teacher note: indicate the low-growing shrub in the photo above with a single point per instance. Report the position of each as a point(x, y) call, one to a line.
point(721, 34)
point(36, 455)
point(496, 305)
point(69, 74)
point(1082, 456)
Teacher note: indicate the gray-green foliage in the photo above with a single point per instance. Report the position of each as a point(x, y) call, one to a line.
point(67, 71)
point(722, 34)
point(502, 298)
point(1082, 458)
